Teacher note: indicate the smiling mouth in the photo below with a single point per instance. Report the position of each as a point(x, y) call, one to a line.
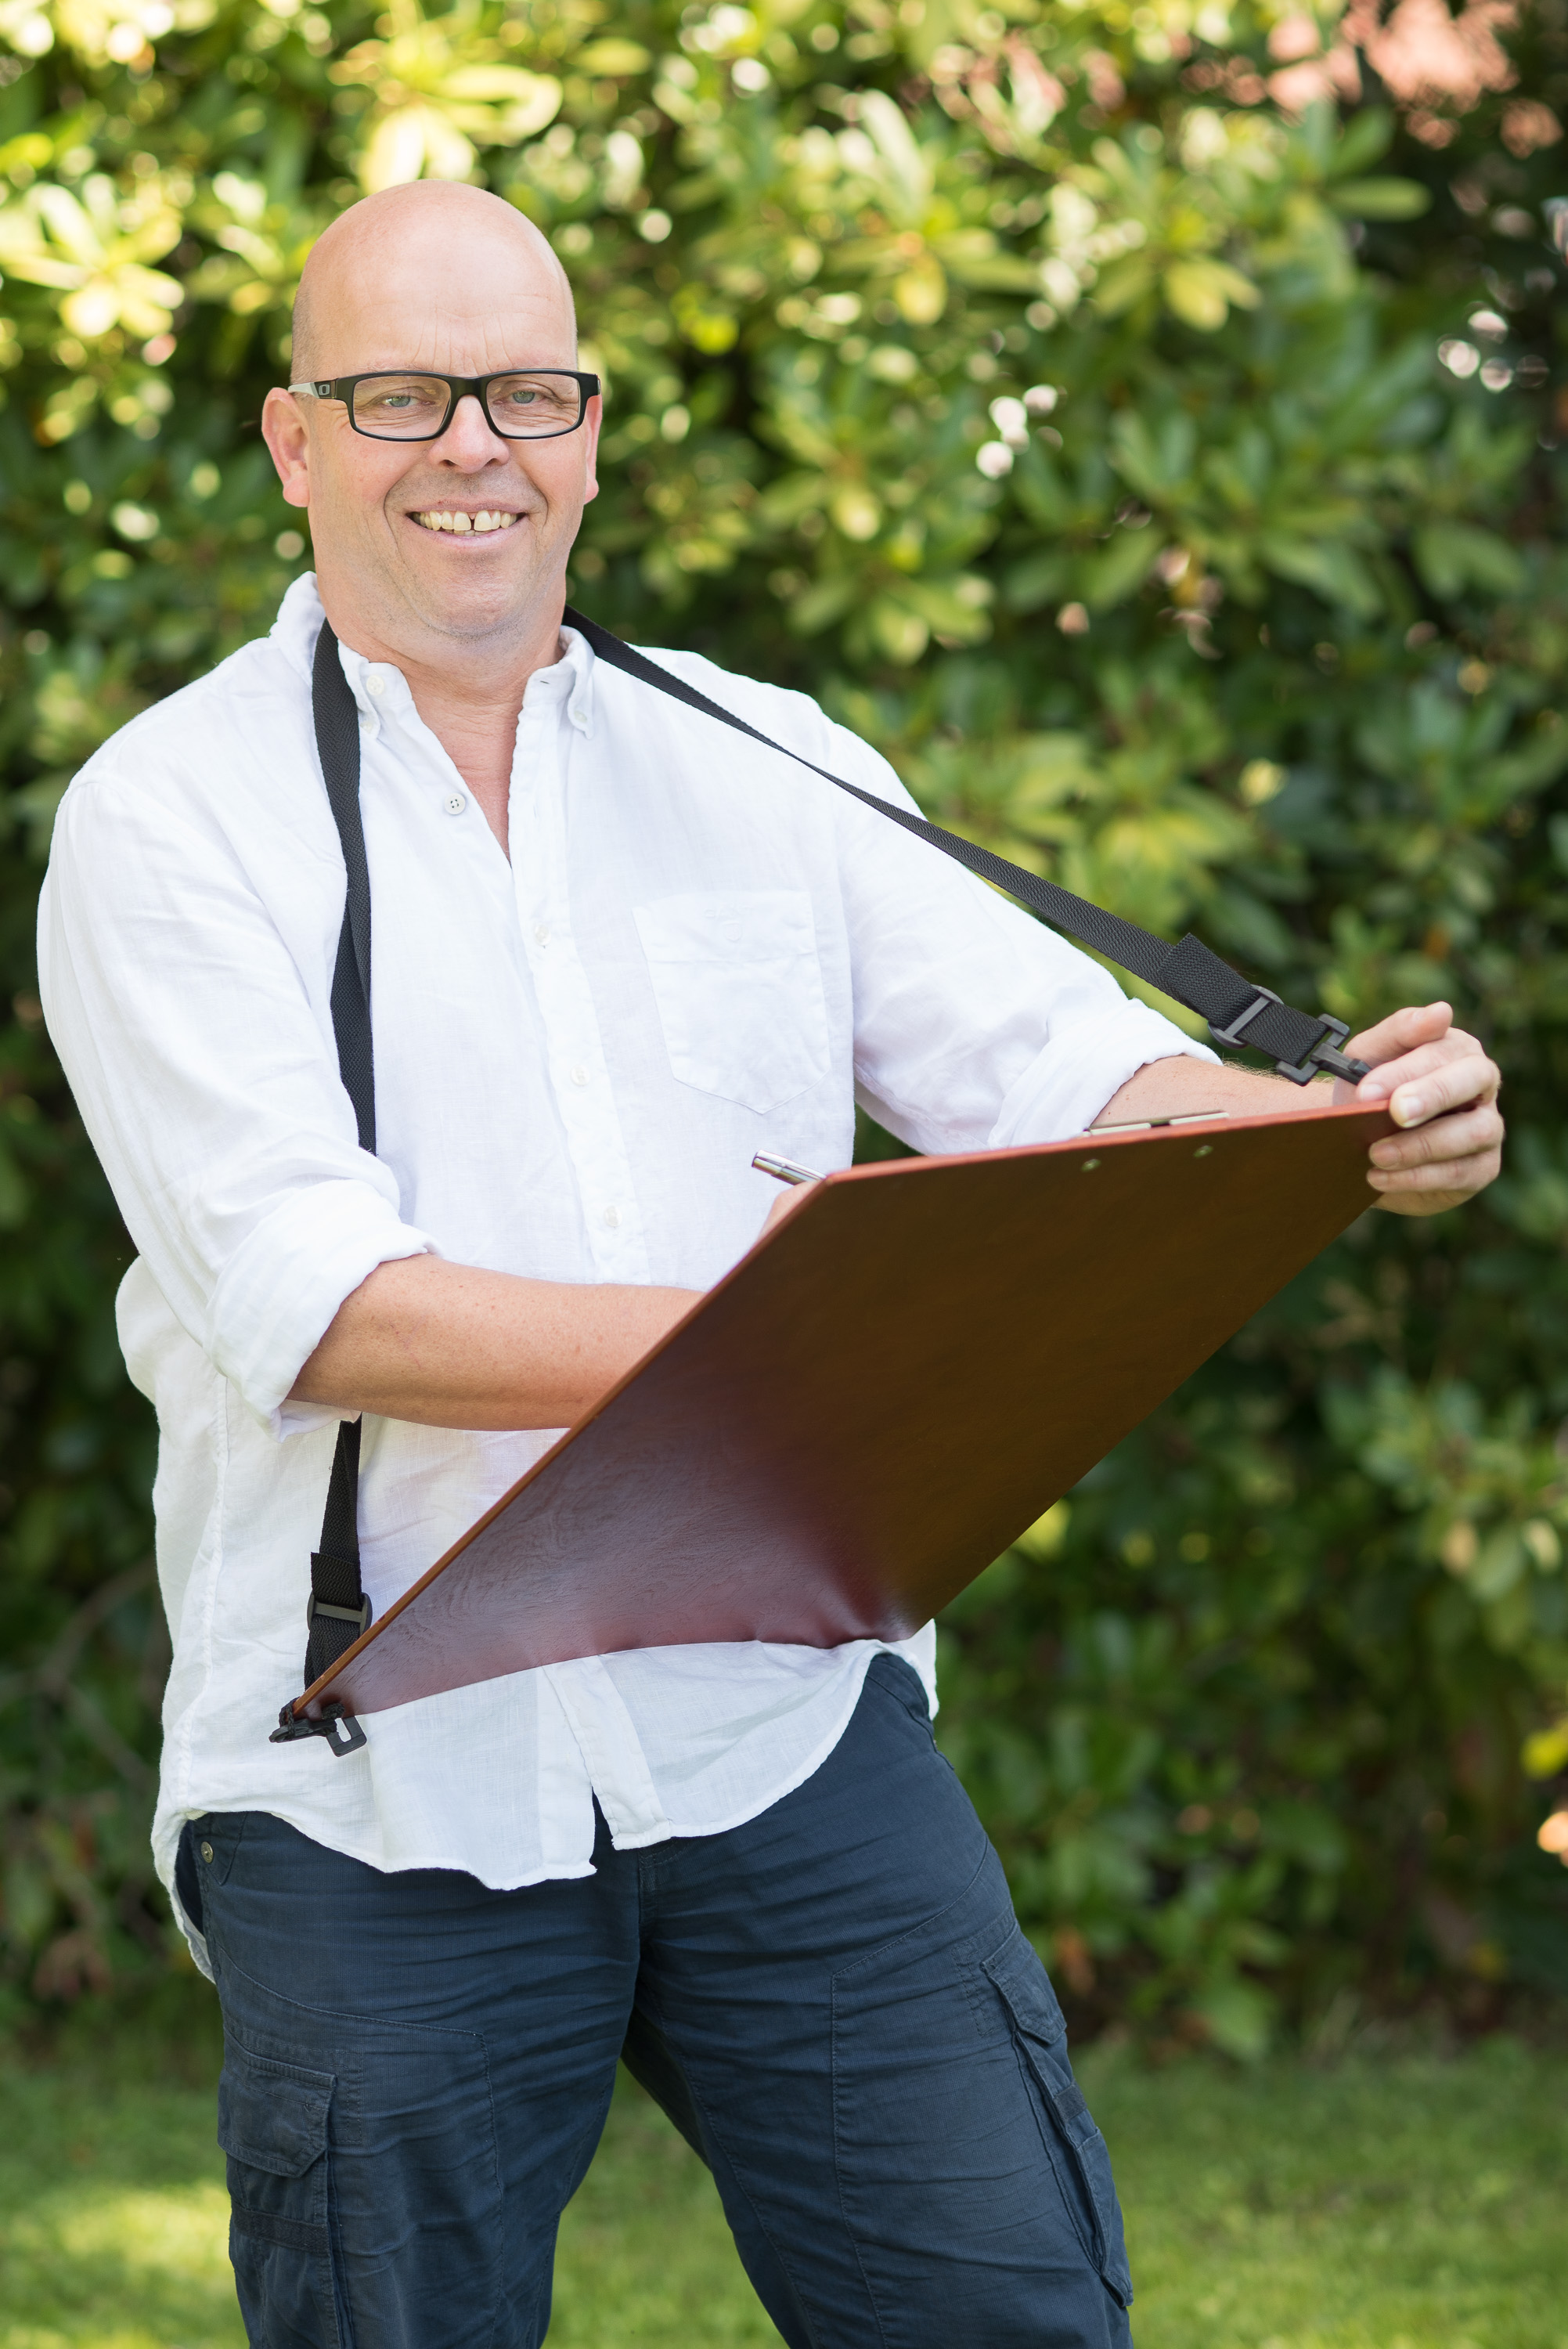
point(464, 524)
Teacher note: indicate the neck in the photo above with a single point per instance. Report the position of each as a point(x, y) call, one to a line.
point(468, 690)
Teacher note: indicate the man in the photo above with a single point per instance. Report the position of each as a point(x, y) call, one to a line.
point(615, 951)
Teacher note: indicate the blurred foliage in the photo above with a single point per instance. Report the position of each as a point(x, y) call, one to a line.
point(1168, 481)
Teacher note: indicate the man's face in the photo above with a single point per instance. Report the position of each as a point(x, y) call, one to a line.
point(458, 305)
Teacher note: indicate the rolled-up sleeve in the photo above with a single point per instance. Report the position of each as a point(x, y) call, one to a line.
point(207, 1083)
point(975, 1026)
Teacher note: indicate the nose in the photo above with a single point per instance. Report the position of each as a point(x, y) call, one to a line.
point(470, 440)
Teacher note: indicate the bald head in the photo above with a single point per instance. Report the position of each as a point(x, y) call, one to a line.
point(450, 261)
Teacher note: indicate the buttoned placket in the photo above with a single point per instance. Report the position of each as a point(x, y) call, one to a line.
point(556, 713)
point(554, 718)
point(390, 724)
point(547, 733)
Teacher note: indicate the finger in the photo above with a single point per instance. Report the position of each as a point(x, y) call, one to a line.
point(1446, 1140)
point(1427, 1203)
point(1455, 1084)
point(1438, 1173)
point(1390, 1074)
point(1426, 1083)
point(1402, 1031)
point(1455, 1046)
point(1462, 1176)
point(1428, 1190)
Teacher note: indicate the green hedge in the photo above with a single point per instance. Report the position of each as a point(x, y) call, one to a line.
point(1024, 381)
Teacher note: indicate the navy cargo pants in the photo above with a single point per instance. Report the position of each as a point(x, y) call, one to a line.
point(833, 2003)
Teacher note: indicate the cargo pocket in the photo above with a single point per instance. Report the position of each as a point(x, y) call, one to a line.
point(271, 2123)
point(1076, 2149)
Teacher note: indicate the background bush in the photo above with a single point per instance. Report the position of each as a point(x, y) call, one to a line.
point(1145, 432)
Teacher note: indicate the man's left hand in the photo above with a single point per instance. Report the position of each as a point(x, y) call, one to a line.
point(1442, 1089)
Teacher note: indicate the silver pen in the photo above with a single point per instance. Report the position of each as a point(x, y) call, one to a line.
point(784, 1170)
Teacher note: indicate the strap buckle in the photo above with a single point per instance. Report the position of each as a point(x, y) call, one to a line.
point(358, 1616)
point(1327, 1056)
point(332, 1718)
point(1323, 1058)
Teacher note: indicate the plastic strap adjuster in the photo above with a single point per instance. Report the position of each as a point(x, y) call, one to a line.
point(358, 1616)
point(331, 1719)
point(1232, 1032)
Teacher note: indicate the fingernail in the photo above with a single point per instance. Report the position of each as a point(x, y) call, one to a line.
point(1384, 1154)
point(1408, 1107)
point(1372, 1089)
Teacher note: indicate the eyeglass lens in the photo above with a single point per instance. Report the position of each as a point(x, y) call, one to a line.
point(414, 407)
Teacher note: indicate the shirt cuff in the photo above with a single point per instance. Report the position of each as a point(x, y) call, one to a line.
point(279, 1292)
point(1079, 1071)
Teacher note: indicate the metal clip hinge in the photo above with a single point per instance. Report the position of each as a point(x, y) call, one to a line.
point(332, 1717)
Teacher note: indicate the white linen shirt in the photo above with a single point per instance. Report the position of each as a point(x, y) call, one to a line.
point(696, 951)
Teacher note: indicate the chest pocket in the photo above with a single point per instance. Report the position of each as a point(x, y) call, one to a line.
point(739, 984)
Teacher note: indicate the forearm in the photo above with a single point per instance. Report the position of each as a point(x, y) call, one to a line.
point(1179, 1088)
point(449, 1345)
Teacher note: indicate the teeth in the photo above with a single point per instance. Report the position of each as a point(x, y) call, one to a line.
point(464, 523)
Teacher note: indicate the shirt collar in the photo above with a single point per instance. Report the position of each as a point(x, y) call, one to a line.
point(298, 625)
point(576, 664)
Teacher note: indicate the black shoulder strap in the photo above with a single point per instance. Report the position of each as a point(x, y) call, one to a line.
point(338, 1610)
point(1239, 1013)
point(338, 747)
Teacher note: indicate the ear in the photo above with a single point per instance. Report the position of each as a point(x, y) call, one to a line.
point(287, 436)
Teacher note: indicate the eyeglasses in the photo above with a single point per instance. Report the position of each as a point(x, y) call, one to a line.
point(527, 404)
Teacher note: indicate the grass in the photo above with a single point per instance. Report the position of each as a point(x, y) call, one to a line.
point(1396, 2204)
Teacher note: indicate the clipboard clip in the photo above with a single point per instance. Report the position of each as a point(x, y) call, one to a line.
point(1321, 1059)
point(332, 1717)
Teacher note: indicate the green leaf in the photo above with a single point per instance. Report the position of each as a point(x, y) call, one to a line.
point(1453, 556)
point(1108, 576)
point(1329, 567)
point(1380, 200)
point(1203, 292)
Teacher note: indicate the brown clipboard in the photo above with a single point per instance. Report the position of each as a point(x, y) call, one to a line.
point(893, 1384)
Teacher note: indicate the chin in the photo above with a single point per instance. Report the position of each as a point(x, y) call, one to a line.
point(477, 606)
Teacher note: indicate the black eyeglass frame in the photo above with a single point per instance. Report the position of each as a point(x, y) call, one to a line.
point(459, 387)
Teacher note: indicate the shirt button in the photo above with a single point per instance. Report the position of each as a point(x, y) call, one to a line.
point(580, 1074)
point(541, 934)
point(613, 1218)
point(376, 685)
point(207, 1853)
point(455, 805)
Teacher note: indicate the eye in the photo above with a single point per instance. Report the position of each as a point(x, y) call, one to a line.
point(402, 400)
